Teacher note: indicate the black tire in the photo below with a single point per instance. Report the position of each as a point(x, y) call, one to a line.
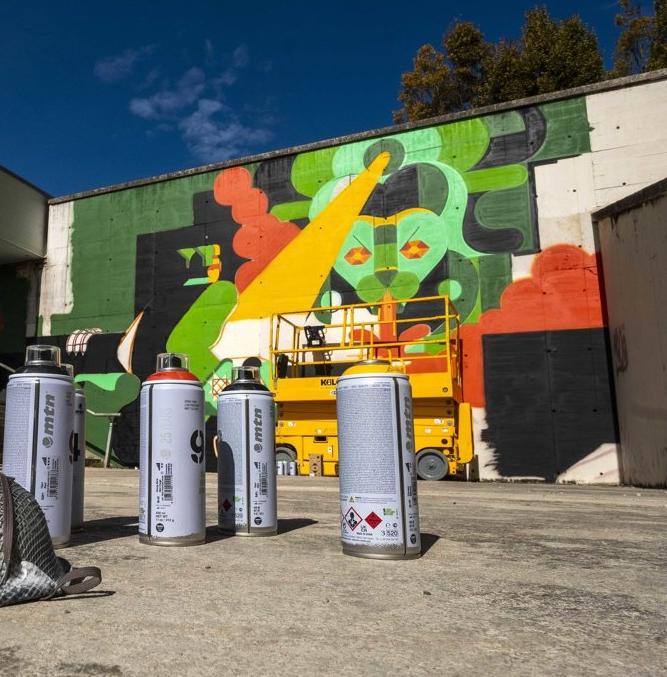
point(432, 465)
point(285, 453)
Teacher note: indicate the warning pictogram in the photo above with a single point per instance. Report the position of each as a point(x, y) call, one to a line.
point(226, 505)
point(352, 519)
point(373, 520)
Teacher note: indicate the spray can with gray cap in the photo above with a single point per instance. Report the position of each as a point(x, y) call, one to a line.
point(38, 429)
point(247, 504)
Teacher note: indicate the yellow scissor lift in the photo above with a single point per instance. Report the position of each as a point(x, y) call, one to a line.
point(308, 355)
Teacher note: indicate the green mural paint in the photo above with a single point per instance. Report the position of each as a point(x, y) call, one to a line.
point(495, 178)
point(311, 170)
point(107, 394)
point(464, 143)
point(567, 130)
point(200, 327)
point(463, 273)
point(291, 211)
point(509, 208)
point(104, 235)
point(495, 273)
point(501, 124)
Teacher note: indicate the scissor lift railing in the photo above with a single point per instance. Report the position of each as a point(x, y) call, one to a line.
point(355, 333)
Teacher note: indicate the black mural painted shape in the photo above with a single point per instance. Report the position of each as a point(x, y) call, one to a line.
point(161, 273)
point(274, 178)
point(508, 149)
point(549, 399)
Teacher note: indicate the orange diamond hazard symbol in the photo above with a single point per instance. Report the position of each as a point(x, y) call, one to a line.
point(373, 520)
point(352, 519)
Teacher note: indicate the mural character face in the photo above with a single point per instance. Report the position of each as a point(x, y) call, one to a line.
point(391, 255)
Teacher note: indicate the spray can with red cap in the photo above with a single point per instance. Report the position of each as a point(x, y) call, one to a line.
point(172, 450)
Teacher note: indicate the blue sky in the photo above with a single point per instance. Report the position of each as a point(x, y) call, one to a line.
point(96, 93)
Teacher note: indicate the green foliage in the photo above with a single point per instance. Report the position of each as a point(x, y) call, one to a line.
point(633, 46)
point(658, 54)
point(470, 71)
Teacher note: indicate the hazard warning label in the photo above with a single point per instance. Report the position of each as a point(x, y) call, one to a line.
point(352, 519)
point(373, 520)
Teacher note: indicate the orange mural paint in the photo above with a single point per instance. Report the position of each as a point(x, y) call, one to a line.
point(563, 292)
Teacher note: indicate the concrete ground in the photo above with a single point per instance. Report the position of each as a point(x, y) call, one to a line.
point(516, 579)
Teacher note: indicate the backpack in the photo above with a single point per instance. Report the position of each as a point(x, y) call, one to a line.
point(29, 568)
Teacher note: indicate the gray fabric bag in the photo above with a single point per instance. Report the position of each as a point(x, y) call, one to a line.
point(29, 568)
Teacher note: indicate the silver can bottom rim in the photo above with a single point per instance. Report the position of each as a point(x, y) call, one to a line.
point(379, 555)
point(175, 542)
point(60, 545)
point(232, 532)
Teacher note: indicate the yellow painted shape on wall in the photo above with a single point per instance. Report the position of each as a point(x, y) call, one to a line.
point(298, 271)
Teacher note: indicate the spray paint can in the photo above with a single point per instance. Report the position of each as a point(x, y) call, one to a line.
point(247, 503)
point(280, 467)
point(291, 468)
point(78, 449)
point(376, 466)
point(171, 457)
point(38, 427)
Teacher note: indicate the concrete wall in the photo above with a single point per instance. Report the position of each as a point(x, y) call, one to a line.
point(22, 219)
point(633, 244)
point(492, 207)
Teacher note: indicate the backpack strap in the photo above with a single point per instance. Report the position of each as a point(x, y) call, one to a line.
point(77, 580)
point(7, 526)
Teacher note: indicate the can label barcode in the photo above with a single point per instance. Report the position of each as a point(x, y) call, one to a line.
point(264, 480)
point(168, 484)
point(52, 484)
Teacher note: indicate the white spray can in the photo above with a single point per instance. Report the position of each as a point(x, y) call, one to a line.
point(38, 427)
point(378, 480)
point(171, 463)
point(247, 503)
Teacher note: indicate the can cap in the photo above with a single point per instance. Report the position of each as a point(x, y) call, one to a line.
point(245, 373)
point(245, 377)
point(42, 355)
point(172, 362)
point(376, 367)
point(172, 367)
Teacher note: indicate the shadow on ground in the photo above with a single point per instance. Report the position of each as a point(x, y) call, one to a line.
point(106, 529)
point(428, 541)
point(292, 524)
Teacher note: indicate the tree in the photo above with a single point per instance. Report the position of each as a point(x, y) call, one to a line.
point(634, 44)
point(658, 53)
point(442, 82)
point(470, 71)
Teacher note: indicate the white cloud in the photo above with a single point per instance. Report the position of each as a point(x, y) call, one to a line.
point(121, 65)
point(196, 105)
point(167, 101)
point(213, 132)
point(240, 56)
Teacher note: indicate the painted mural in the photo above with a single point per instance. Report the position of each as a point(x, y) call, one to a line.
point(198, 264)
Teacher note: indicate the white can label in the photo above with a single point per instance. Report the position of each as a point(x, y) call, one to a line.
point(37, 453)
point(246, 463)
point(172, 481)
point(378, 486)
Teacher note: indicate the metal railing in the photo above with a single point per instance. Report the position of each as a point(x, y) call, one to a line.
point(355, 336)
